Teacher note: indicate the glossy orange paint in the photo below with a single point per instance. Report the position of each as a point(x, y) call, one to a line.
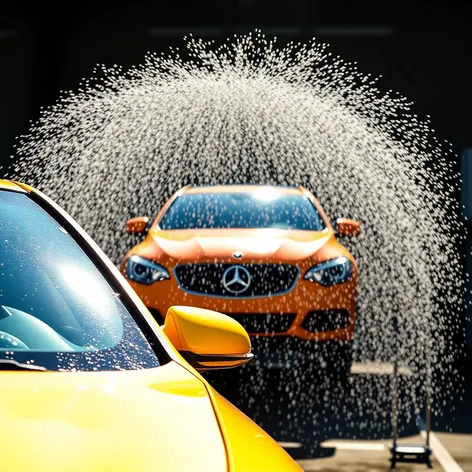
point(347, 227)
point(303, 249)
point(137, 225)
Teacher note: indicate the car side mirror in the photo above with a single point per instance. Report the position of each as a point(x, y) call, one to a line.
point(207, 339)
point(347, 227)
point(137, 225)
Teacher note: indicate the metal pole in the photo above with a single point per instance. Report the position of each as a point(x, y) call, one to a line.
point(395, 402)
point(429, 385)
point(395, 386)
point(428, 416)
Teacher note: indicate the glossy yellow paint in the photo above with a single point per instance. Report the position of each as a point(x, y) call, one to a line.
point(167, 418)
point(249, 447)
point(9, 185)
point(140, 421)
point(205, 332)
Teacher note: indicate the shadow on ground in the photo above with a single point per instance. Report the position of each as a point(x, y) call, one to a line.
point(457, 416)
point(306, 412)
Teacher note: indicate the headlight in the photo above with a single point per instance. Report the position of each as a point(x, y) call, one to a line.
point(145, 271)
point(335, 271)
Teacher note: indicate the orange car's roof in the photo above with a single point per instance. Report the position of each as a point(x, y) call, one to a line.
point(9, 185)
point(243, 189)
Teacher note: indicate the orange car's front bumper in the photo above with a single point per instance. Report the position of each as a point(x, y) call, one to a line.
point(305, 312)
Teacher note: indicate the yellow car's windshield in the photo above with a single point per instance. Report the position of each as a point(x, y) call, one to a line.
point(56, 308)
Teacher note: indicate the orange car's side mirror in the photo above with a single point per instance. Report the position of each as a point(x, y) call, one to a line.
point(137, 225)
point(207, 339)
point(347, 227)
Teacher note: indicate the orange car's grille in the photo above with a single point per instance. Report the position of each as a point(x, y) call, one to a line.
point(236, 280)
point(326, 320)
point(270, 323)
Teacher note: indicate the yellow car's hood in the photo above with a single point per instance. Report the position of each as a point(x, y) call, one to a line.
point(150, 420)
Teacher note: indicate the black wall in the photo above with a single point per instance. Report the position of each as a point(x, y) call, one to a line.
point(421, 50)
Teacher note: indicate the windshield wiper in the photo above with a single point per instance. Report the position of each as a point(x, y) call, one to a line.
point(10, 364)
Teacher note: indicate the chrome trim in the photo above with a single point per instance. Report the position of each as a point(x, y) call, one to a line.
point(236, 279)
point(191, 292)
point(202, 362)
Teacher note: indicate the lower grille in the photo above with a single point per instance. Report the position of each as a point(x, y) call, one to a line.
point(264, 323)
point(326, 357)
point(326, 320)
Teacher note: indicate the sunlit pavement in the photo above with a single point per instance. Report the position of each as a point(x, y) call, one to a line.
point(362, 456)
point(452, 451)
point(459, 447)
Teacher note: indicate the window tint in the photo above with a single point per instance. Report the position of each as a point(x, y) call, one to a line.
point(56, 308)
point(263, 208)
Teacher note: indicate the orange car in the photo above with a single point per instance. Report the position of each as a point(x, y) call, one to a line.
point(267, 256)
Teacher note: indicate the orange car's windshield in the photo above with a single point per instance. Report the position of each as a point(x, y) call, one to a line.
point(56, 308)
point(257, 209)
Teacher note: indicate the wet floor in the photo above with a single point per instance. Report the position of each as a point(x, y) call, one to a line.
point(327, 431)
point(363, 456)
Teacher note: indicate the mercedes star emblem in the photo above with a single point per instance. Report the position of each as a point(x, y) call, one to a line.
point(236, 279)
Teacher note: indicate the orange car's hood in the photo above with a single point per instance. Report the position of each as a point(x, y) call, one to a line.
point(280, 245)
point(148, 420)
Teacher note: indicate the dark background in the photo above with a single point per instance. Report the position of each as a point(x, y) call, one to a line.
point(421, 49)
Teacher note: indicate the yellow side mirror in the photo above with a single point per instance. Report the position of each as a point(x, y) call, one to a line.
point(207, 339)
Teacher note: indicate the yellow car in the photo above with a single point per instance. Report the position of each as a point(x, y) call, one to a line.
point(89, 381)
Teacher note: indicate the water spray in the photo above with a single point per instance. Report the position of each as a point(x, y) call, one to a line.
point(250, 111)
